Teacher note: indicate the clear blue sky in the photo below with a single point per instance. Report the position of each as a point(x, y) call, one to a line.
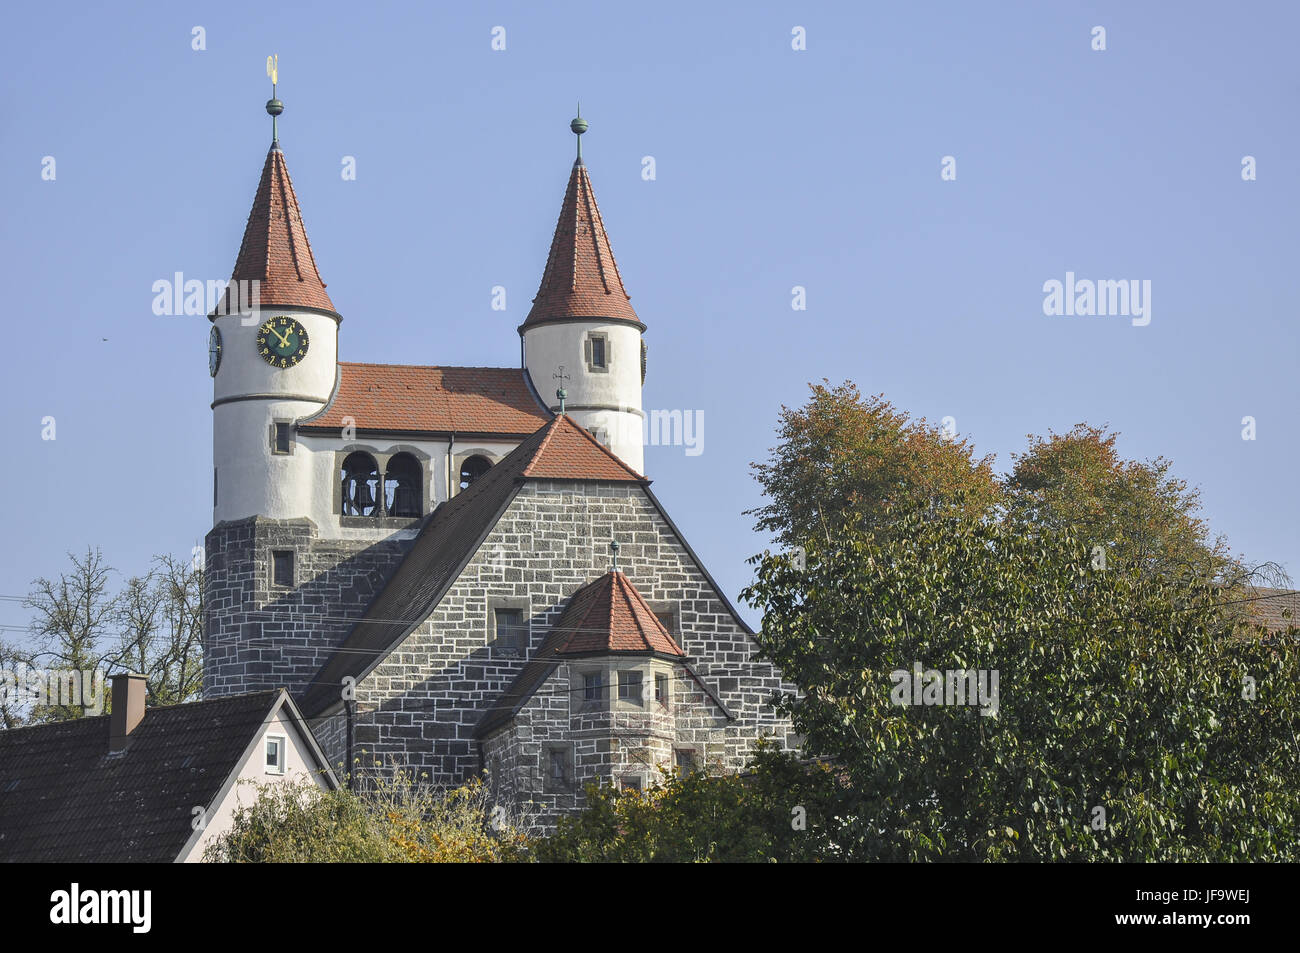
point(775, 168)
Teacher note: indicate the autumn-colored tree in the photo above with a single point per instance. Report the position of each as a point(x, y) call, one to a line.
point(1136, 511)
point(845, 457)
point(393, 820)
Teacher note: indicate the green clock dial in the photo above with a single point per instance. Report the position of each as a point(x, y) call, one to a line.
point(214, 351)
point(282, 342)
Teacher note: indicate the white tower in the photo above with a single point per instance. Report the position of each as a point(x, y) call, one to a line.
point(583, 323)
point(273, 366)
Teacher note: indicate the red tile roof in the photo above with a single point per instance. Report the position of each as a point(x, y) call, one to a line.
point(609, 615)
point(581, 279)
point(275, 250)
point(570, 452)
point(408, 397)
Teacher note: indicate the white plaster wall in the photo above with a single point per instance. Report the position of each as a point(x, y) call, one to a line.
point(547, 346)
point(252, 481)
point(221, 816)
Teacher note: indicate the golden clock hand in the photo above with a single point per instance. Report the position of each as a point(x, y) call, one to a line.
point(283, 338)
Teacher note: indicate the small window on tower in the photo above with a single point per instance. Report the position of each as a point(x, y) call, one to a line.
point(282, 568)
point(596, 351)
point(280, 437)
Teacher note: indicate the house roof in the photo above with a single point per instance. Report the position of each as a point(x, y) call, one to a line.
point(581, 278)
point(415, 398)
point(275, 250)
point(65, 798)
point(560, 450)
point(1275, 609)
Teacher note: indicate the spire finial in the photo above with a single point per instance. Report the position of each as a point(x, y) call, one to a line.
point(560, 393)
point(579, 126)
point(613, 549)
point(273, 105)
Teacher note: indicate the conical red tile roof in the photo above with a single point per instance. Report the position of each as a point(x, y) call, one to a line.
point(581, 279)
point(275, 249)
point(569, 452)
point(609, 615)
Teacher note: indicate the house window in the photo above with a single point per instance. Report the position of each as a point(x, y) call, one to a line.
point(511, 631)
point(629, 687)
point(596, 351)
point(593, 687)
point(685, 760)
point(281, 434)
point(275, 751)
point(282, 568)
point(661, 688)
point(631, 782)
point(558, 765)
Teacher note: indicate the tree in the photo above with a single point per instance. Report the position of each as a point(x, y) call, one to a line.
point(395, 820)
point(153, 625)
point(843, 455)
point(160, 616)
point(775, 810)
point(1134, 717)
point(1135, 511)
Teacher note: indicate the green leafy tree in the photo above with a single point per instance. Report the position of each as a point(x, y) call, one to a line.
point(842, 456)
point(1137, 719)
point(774, 811)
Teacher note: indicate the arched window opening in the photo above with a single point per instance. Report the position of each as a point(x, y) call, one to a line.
point(402, 483)
point(472, 469)
point(361, 493)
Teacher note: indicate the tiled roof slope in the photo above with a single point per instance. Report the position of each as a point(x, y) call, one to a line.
point(402, 397)
point(603, 617)
point(451, 534)
point(609, 615)
point(63, 797)
point(581, 278)
point(1276, 609)
point(275, 249)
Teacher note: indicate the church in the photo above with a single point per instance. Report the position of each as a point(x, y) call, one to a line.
point(459, 571)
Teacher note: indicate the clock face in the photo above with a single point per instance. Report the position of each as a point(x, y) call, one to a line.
point(282, 342)
point(214, 351)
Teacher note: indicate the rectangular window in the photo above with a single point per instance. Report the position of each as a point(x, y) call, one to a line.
point(280, 434)
point(685, 759)
point(593, 687)
point(631, 783)
point(629, 687)
point(512, 633)
point(275, 754)
point(282, 568)
point(661, 688)
point(597, 352)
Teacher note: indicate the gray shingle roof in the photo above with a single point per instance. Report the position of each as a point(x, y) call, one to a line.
point(65, 798)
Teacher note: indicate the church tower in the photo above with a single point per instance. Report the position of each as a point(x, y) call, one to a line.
point(271, 366)
point(582, 334)
point(280, 588)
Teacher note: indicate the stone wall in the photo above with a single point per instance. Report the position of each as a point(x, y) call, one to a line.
point(420, 706)
point(257, 635)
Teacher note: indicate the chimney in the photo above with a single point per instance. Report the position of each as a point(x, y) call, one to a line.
point(128, 709)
